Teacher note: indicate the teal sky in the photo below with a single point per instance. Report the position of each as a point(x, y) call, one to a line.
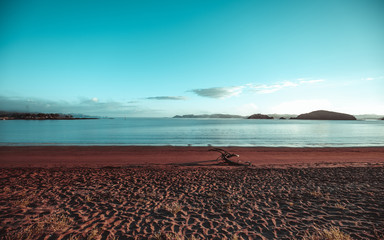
point(162, 58)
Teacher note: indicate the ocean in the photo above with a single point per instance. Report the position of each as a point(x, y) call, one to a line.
point(193, 132)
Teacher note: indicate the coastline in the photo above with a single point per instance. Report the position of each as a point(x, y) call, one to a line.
point(125, 156)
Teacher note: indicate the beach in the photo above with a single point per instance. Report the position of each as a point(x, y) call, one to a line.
point(123, 156)
point(133, 192)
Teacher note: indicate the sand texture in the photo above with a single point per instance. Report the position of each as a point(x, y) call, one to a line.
point(190, 202)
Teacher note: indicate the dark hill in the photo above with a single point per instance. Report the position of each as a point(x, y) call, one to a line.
point(259, 116)
point(325, 115)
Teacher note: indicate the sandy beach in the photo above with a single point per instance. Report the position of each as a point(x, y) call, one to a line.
point(181, 193)
point(123, 156)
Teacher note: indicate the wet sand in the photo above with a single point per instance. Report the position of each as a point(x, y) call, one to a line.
point(119, 156)
point(181, 193)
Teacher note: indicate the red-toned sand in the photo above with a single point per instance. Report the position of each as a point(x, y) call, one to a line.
point(122, 193)
point(99, 156)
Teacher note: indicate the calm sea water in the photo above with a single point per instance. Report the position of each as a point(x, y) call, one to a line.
point(194, 132)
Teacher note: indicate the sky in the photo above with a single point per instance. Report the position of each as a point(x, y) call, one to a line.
point(150, 58)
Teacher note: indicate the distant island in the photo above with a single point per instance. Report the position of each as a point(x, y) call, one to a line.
point(254, 116)
point(325, 115)
point(259, 116)
point(208, 116)
point(315, 115)
point(38, 116)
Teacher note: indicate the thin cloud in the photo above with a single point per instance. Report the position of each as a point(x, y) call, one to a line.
point(176, 98)
point(93, 100)
point(265, 89)
point(226, 92)
point(311, 81)
point(219, 92)
point(373, 78)
point(88, 106)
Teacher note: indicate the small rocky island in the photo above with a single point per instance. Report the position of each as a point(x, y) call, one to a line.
point(325, 115)
point(259, 116)
point(38, 116)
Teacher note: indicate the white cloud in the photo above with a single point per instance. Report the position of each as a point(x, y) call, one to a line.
point(219, 92)
point(302, 106)
point(372, 78)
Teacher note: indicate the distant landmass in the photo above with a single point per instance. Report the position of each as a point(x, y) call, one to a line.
point(369, 117)
point(259, 116)
point(315, 115)
point(325, 115)
point(209, 116)
point(282, 116)
point(39, 116)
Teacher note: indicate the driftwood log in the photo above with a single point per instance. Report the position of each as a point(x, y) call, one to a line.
point(225, 157)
